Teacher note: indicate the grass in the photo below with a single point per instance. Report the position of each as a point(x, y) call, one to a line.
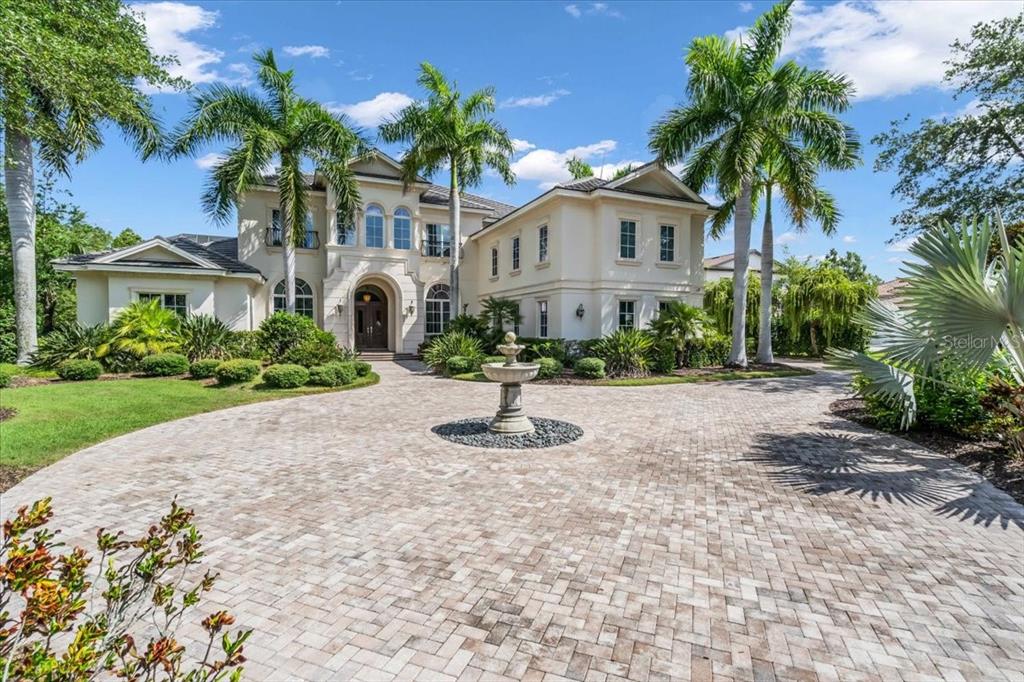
point(54, 420)
point(34, 372)
point(660, 379)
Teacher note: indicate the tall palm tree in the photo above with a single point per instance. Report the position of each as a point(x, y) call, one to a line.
point(448, 131)
point(283, 126)
point(743, 109)
point(578, 168)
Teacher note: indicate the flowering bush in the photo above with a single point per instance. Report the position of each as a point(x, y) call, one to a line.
point(137, 586)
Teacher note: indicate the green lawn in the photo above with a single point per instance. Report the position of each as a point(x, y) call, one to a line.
point(658, 379)
point(54, 420)
point(19, 371)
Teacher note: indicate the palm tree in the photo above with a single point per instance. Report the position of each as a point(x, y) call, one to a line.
point(446, 131)
point(679, 324)
point(500, 311)
point(283, 126)
point(578, 168)
point(744, 109)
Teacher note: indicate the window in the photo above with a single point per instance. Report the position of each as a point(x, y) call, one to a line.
point(542, 243)
point(374, 227)
point(515, 254)
point(494, 261)
point(438, 244)
point(662, 306)
point(542, 319)
point(403, 229)
point(627, 314)
point(668, 243)
point(309, 237)
point(346, 230)
point(173, 302)
point(515, 321)
point(627, 239)
point(439, 309)
point(303, 298)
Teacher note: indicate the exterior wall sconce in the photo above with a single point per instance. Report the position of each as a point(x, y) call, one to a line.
point(579, 311)
point(339, 308)
point(410, 311)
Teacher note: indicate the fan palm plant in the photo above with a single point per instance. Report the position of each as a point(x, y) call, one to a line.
point(449, 132)
point(742, 110)
point(962, 308)
point(283, 126)
point(143, 328)
point(679, 324)
point(500, 311)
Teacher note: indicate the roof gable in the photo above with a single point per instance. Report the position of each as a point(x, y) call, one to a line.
point(654, 178)
point(377, 164)
point(156, 250)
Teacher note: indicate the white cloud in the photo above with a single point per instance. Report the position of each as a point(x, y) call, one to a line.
point(903, 244)
point(849, 239)
point(593, 9)
point(787, 238)
point(167, 24)
point(547, 166)
point(606, 171)
point(373, 112)
point(746, 7)
point(535, 100)
point(209, 160)
point(886, 48)
point(522, 145)
point(574, 11)
point(314, 51)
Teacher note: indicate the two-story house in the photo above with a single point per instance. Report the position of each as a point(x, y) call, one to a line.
point(582, 259)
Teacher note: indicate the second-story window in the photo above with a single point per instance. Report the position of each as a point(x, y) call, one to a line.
point(542, 243)
point(438, 241)
point(668, 243)
point(346, 229)
point(374, 227)
point(494, 261)
point(403, 229)
point(515, 254)
point(309, 240)
point(542, 319)
point(627, 239)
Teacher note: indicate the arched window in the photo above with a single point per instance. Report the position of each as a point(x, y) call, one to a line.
point(374, 226)
point(439, 309)
point(403, 229)
point(303, 298)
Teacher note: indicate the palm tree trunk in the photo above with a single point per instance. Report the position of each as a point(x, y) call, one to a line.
point(741, 261)
point(19, 182)
point(288, 252)
point(454, 206)
point(764, 334)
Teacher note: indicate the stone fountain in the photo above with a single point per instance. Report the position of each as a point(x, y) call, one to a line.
point(511, 418)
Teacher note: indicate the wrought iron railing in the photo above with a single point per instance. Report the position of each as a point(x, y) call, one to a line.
point(311, 239)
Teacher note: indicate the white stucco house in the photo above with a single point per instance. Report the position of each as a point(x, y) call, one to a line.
point(722, 267)
point(581, 259)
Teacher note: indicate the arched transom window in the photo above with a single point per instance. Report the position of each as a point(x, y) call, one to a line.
point(303, 298)
point(374, 227)
point(439, 309)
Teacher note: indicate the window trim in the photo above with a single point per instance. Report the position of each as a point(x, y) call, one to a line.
point(138, 293)
point(383, 226)
point(495, 260)
point(543, 319)
point(661, 243)
point(636, 239)
point(394, 225)
point(543, 254)
point(311, 230)
point(312, 297)
point(517, 253)
point(633, 314)
point(354, 230)
point(443, 246)
point(445, 302)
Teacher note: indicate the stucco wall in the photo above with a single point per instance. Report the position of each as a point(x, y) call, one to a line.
point(91, 290)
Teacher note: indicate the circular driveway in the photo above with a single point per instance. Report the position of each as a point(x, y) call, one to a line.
point(733, 530)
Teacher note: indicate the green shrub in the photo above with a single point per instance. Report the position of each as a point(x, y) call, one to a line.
point(286, 376)
point(710, 351)
point(663, 357)
point(589, 368)
point(956, 405)
point(72, 342)
point(144, 328)
point(362, 368)
point(237, 371)
point(491, 359)
point(449, 345)
point(333, 374)
point(8, 339)
point(164, 365)
point(549, 368)
point(247, 345)
point(5, 377)
point(319, 348)
point(459, 364)
point(79, 370)
point(204, 336)
point(203, 369)
point(281, 332)
point(470, 325)
point(626, 353)
point(542, 348)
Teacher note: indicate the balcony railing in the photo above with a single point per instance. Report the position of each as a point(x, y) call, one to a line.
point(311, 239)
point(436, 250)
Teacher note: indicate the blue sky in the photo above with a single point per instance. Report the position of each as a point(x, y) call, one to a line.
point(583, 77)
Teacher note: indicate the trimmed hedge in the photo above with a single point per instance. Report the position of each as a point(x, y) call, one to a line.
point(164, 365)
point(79, 370)
point(589, 368)
point(237, 371)
point(362, 368)
point(286, 376)
point(203, 369)
point(550, 368)
point(333, 374)
point(460, 364)
point(490, 359)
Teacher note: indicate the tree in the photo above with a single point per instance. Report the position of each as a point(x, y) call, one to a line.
point(820, 305)
point(742, 110)
point(679, 324)
point(624, 171)
point(125, 238)
point(972, 162)
point(283, 126)
point(500, 311)
point(852, 264)
point(579, 168)
point(65, 69)
point(446, 131)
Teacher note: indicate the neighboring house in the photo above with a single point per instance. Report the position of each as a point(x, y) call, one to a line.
point(581, 259)
point(892, 290)
point(720, 267)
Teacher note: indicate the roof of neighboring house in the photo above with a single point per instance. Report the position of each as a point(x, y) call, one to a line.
point(221, 251)
point(890, 290)
point(722, 262)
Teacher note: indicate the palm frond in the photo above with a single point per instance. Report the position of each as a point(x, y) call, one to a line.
point(892, 385)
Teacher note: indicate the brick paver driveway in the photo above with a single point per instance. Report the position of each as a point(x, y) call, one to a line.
point(734, 531)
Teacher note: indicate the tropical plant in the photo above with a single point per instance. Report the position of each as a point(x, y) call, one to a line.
point(678, 325)
point(204, 336)
point(79, 370)
point(589, 368)
point(822, 304)
point(578, 168)
point(745, 108)
point(718, 307)
point(283, 127)
point(626, 352)
point(445, 132)
point(237, 371)
point(498, 312)
point(286, 376)
point(448, 345)
point(121, 620)
point(624, 171)
point(470, 325)
point(143, 328)
point(74, 341)
point(67, 69)
point(961, 311)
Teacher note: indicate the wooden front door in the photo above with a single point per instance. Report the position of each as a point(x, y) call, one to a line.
point(371, 319)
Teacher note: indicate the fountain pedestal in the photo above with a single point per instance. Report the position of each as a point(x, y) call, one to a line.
point(510, 418)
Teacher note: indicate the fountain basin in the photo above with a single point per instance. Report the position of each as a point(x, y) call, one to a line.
point(510, 374)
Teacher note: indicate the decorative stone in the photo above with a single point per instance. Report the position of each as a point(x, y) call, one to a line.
point(476, 432)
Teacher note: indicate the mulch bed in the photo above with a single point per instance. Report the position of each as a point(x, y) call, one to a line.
point(7, 413)
point(9, 476)
point(987, 458)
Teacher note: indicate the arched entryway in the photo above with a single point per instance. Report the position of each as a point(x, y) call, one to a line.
point(372, 321)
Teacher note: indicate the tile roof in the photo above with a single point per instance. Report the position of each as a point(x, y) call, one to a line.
point(221, 251)
point(715, 261)
point(438, 195)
